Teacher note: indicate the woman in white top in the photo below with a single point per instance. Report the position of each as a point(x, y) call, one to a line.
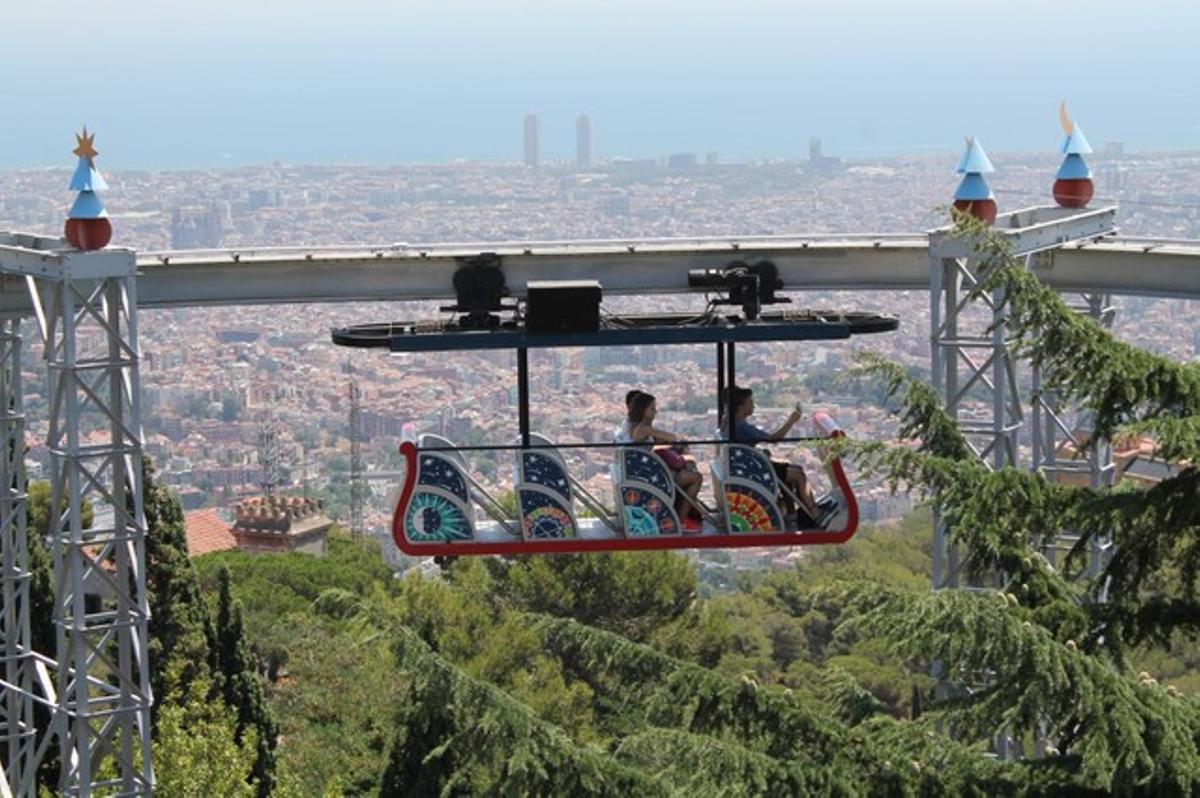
point(639, 429)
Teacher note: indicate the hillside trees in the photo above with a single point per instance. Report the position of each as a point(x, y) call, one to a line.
point(192, 662)
point(1056, 659)
point(631, 594)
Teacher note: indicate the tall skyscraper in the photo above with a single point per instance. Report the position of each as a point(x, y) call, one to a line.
point(583, 141)
point(814, 150)
point(531, 140)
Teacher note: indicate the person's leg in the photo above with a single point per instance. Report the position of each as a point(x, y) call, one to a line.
point(798, 481)
point(693, 489)
point(785, 498)
point(689, 483)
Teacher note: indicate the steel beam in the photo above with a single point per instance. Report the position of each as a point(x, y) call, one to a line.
point(402, 272)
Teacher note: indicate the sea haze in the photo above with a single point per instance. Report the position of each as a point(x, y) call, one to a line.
point(226, 83)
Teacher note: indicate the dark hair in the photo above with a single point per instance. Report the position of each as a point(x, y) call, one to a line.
point(638, 405)
point(740, 395)
point(630, 396)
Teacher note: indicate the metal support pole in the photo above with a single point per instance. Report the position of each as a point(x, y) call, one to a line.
point(973, 347)
point(1053, 430)
point(523, 394)
point(730, 384)
point(720, 382)
point(18, 736)
point(944, 283)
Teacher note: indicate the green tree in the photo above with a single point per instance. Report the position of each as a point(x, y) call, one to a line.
point(42, 631)
point(180, 628)
point(241, 686)
point(1046, 658)
point(197, 752)
point(41, 567)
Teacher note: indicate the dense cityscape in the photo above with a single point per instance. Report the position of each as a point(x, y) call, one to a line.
point(213, 379)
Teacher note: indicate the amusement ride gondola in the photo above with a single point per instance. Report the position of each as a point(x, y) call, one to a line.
point(436, 515)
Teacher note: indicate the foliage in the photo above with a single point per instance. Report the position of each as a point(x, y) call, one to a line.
point(271, 588)
point(241, 687)
point(180, 629)
point(492, 643)
point(1119, 733)
point(628, 593)
point(196, 751)
point(334, 704)
point(457, 735)
point(43, 637)
point(695, 764)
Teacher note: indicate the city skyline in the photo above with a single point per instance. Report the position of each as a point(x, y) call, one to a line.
point(237, 84)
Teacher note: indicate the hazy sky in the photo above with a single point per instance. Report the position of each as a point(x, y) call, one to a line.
point(228, 82)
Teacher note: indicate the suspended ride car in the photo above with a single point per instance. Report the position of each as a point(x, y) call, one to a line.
point(443, 510)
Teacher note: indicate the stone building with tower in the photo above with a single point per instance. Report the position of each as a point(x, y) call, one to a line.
point(269, 524)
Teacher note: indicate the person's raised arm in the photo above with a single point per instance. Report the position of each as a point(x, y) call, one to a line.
point(787, 425)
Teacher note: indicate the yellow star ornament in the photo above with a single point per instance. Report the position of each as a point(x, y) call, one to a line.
point(84, 148)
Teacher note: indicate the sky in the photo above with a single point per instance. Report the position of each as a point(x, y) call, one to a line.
point(184, 85)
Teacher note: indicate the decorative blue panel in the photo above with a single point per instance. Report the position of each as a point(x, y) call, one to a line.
point(645, 514)
point(547, 472)
point(750, 464)
point(432, 518)
point(644, 466)
point(544, 517)
point(441, 473)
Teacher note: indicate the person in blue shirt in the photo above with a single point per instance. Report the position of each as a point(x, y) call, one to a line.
point(791, 475)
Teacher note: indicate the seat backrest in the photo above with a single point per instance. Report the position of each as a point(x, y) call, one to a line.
point(645, 493)
point(543, 489)
point(748, 490)
point(428, 440)
point(750, 463)
point(439, 509)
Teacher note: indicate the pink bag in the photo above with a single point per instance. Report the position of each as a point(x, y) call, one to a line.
point(672, 458)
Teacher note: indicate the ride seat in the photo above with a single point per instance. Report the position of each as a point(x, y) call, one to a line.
point(645, 493)
point(543, 489)
point(746, 488)
point(439, 510)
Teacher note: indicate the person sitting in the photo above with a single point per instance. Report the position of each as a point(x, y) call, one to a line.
point(791, 475)
point(623, 434)
point(640, 430)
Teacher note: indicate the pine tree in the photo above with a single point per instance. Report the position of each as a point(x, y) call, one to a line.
point(1047, 660)
point(180, 629)
point(241, 686)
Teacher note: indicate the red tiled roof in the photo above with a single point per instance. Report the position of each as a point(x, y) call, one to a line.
point(207, 532)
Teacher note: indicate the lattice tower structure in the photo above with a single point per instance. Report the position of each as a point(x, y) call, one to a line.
point(97, 685)
point(972, 356)
point(269, 458)
point(357, 485)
